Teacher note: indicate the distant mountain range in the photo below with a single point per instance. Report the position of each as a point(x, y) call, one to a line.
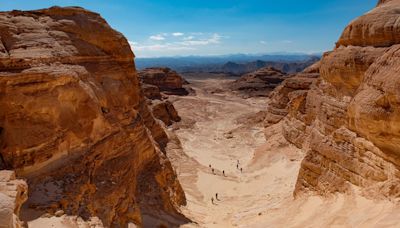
point(236, 64)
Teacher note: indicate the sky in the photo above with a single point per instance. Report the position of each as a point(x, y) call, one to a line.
point(157, 28)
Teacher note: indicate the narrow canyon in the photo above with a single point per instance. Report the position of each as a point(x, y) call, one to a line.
point(88, 140)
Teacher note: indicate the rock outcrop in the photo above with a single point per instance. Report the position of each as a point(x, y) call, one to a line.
point(151, 92)
point(165, 111)
point(167, 80)
point(290, 96)
point(259, 83)
point(157, 84)
point(13, 193)
point(349, 119)
point(75, 123)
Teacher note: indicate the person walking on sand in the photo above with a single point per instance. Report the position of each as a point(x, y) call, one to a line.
point(237, 166)
point(216, 196)
point(212, 200)
point(212, 170)
point(241, 170)
point(223, 172)
point(209, 165)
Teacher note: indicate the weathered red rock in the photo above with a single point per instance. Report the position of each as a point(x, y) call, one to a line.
point(157, 84)
point(167, 80)
point(75, 123)
point(165, 111)
point(151, 92)
point(259, 83)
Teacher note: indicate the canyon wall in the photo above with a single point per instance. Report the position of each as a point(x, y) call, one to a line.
point(347, 120)
point(75, 123)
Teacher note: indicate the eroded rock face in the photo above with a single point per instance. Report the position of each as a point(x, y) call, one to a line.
point(350, 124)
point(75, 123)
point(259, 83)
point(167, 80)
point(165, 111)
point(13, 193)
point(290, 96)
point(157, 84)
point(378, 28)
point(151, 92)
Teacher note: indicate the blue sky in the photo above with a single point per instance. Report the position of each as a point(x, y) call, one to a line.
point(215, 27)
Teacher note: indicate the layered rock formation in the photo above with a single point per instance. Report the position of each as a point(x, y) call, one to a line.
point(348, 122)
point(167, 80)
point(260, 82)
point(290, 96)
point(157, 84)
point(165, 111)
point(13, 193)
point(74, 122)
point(151, 92)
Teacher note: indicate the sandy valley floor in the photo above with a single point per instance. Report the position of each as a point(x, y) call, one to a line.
point(219, 128)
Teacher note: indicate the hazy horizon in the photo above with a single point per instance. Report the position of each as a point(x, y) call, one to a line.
point(162, 28)
point(231, 54)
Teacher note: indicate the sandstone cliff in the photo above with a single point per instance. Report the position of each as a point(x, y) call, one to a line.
point(74, 122)
point(348, 120)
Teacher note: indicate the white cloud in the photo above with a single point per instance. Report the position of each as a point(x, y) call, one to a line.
point(263, 42)
point(157, 37)
point(157, 44)
point(214, 39)
point(161, 47)
point(188, 38)
point(177, 34)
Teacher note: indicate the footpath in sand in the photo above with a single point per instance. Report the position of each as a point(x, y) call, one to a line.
point(218, 128)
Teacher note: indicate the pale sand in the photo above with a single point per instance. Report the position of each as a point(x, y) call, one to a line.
point(226, 130)
point(261, 196)
point(65, 222)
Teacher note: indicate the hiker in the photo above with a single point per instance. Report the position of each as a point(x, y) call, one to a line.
point(212, 200)
point(223, 172)
point(216, 196)
point(237, 166)
point(241, 170)
point(209, 165)
point(212, 170)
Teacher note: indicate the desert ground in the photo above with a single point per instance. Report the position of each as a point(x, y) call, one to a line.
point(219, 128)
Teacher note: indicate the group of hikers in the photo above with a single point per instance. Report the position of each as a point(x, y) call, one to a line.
point(223, 173)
